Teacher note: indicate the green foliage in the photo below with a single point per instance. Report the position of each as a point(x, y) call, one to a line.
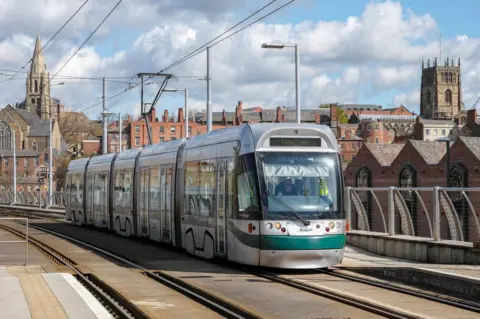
point(61, 171)
point(342, 116)
point(324, 106)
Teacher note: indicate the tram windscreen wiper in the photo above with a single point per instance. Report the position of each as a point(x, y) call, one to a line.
point(305, 222)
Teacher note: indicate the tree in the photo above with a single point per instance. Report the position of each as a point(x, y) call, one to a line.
point(342, 116)
point(61, 172)
point(324, 106)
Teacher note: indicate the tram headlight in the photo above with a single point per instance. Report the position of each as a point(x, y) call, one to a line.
point(269, 225)
point(278, 225)
point(331, 225)
point(337, 224)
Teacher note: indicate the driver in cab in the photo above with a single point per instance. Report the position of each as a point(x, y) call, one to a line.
point(286, 188)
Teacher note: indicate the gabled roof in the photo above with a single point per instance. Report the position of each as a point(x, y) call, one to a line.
point(473, 143)
point(384, 153)
point(38, 127)
point(431, 152)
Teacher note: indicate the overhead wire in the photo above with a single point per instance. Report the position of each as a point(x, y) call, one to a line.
point(86, 40)
point(50, 40)
point(220, 35)
point(221, 40)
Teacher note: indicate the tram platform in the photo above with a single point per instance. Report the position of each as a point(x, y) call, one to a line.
point(30, 292)
point(460, 279)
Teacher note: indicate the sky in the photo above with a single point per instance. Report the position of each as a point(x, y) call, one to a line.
point(351, 51)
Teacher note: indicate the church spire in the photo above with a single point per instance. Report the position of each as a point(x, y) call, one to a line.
point(37, 98)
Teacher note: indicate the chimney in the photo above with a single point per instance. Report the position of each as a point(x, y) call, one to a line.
point(153, 115)
point(238, 113)
point(180, 115)
point(471, 116)
point(165, 116)
point(224, 119)
point(333, 112)
point(240, 106)
point(278, 118)
point(318, 119)
point(129, 118)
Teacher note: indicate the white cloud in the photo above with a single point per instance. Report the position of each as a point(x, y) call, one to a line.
point(378, 50)
point(410, 100)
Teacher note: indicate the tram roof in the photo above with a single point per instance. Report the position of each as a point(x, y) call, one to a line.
point(251, 130)
point(81, 162)
point(166, 147)
point(99, 159)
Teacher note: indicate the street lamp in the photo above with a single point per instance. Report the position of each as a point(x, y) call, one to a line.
point(186, 106)
point(447, 173)
point(297, 71)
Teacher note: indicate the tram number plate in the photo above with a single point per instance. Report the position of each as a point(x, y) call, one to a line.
point(295, 142)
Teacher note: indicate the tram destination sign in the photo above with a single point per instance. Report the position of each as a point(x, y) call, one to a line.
point(295, 142)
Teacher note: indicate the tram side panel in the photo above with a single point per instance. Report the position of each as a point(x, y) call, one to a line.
point(123, 197)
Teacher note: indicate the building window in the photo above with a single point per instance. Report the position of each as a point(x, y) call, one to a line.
point(34, 146)
point(162, 139)
point(172, 129)
point(137, 141)
point(448, 97)
point(173, 138)
point(435, 132)
point(162, 129)
point(36, 86)
point(5, 162)
point(32, 100)
point(427, 132)
point(46, 157)
point(5, 136)
point(376, 140)
point(364, 180)
point(137, 129)
point(407, 180)
point(189, 130)
point(25, 162)
point(444, 132)
point(36, 161)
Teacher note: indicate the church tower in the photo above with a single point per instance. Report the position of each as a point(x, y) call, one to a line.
point(441, 90)
point(37, 99)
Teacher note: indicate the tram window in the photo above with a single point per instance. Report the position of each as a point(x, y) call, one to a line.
point(191, 187)
point(230, 187)
point(304, 182)
point(247, 190)
point(207, 182)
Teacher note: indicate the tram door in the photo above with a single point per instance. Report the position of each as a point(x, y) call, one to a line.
point(144, 190)
point(103, 199)
point(221, 220)
point(91, 199)
point(166, 202)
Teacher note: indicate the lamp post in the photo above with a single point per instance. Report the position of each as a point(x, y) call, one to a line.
point(297, 71)
point(447, 173)
point(186, 106)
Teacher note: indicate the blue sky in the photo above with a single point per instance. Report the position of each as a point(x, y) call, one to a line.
point(401, 82)
point(452, 19)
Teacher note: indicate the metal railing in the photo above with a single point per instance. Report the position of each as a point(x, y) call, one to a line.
point(435, 213)
point(18, 241)
point(33, 198)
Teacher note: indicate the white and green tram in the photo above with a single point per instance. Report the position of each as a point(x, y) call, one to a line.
point(258, 194)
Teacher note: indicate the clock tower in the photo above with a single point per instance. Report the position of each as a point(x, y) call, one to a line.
point(441, 90)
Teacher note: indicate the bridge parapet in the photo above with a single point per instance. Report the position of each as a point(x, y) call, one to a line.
point(428, 224)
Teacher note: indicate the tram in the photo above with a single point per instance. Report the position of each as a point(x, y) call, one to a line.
point(258, 194)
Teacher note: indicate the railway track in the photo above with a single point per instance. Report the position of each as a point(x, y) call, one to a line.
point(428, 295)
point(229, 310)
point(108, 297)
point(122, 307)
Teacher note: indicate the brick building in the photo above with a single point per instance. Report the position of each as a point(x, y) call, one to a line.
point(416, 164)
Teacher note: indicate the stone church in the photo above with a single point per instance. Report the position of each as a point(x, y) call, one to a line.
point(441, 91)
point(29, 122)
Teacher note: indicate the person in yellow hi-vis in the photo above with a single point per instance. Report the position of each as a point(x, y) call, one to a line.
point(323, 191)
point(323, 187)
